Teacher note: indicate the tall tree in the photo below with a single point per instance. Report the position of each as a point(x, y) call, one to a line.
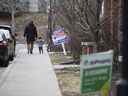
point(82, 19)
point(12, 7)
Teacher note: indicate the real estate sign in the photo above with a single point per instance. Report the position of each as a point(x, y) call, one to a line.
point(96, 73)
point(59, 36)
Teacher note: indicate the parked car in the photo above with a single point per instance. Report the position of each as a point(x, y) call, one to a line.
point(7, 45)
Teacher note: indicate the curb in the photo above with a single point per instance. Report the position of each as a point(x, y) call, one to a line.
point(5, 74)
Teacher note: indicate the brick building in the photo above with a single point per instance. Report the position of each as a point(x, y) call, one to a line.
point(111, 25)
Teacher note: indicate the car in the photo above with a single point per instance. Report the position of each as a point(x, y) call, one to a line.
point(7, 45)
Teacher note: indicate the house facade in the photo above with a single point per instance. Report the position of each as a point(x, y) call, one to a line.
point(111, 24)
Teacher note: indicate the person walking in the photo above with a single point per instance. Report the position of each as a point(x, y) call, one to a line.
point(30, 33)
point(40, 45)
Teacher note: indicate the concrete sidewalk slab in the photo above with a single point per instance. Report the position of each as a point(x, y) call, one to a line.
point(30, 75)
point(57, 67)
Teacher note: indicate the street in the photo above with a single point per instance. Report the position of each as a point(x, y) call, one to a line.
point(29, 75)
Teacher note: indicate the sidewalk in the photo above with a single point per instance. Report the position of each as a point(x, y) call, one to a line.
point(29, 75)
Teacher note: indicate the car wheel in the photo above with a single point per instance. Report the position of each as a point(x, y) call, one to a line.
point(5, 63)
point(11, 58)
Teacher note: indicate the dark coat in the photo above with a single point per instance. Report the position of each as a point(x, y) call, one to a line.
point(30, 32)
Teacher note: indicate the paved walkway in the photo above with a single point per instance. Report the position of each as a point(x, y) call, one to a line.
point(29, 75)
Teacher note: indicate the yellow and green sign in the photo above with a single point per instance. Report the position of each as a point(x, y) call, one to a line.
point(96, 73)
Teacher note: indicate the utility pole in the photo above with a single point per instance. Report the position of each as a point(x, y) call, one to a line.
point(12, 5)
point(50, 24)
point(54, 15)
point(122, 85)
point(13, 19)
point(98, 9)
point(50, 17)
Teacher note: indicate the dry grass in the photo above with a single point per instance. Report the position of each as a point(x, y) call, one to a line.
point(59, 58)
point(69, 78)
point(69, 83)
point(39, 19)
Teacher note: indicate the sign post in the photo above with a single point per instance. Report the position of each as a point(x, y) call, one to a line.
point(96, 71)
point(59, 38)
point(64, 50)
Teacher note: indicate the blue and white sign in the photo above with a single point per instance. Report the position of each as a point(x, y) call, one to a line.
point(59, 36)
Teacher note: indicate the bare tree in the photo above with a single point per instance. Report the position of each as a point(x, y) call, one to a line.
point(82, 19)
point(12, 7)
point(84, 22)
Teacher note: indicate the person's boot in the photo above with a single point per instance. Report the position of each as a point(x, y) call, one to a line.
point(40, 51)
point(31, 52)
point(28, 51)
